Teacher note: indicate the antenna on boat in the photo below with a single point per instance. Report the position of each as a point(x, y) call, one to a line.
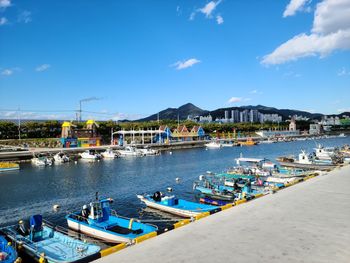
point(96, 196)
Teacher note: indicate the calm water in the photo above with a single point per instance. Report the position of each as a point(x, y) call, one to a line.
point(35, 190)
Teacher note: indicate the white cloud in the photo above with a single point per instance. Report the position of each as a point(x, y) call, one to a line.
point(255, 91)
point(344, 110)
point(5, 3)
point(294, 6)
point(219, 19)
point(25, 17)
point(3, 21)
point(208, 11)
point(209, 8)
point(234, 100)
point(330, 32)
point(42, 67)
point(185, 64)
point(343, 72)
point(7, 72)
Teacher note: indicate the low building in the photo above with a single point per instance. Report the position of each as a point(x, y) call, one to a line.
point(86, 137)
point(315, 129)
point(277, 133)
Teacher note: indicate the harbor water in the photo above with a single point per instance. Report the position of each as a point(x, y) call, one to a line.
point(35, 190)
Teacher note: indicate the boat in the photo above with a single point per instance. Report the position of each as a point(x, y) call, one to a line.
point(109, 153)
point(8, 166)
point(90, 155)
point(130, 151)
point(7, 253)
point(98, 220)
point(41, 161)
point(61, 157)
point(325, 152)
point(209, 187)
point(249, 142)
point(174, 205)
point(45, 243)
point(342, 135)
point(213, 145)
point(148, 151)
point(306, 161)
point(268, 141)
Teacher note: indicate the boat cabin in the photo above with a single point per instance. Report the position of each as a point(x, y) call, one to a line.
point(99, 210)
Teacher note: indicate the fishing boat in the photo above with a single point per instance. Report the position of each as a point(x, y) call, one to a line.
point(46, 243)
point(148, 151)
point(7, 253)
point(90, 155)
point(41, 161)
point(249, 142)
point(214, 190)
point(109, 154)
point(61, 157)
point(7, 166)
point(174, 205)
point(130, 151)
point(213, 145)
point(306, 161)
point(98, 220)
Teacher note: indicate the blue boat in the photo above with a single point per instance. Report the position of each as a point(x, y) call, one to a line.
point(174, 205)
point(7, 253)
point(98, 220)
point(44, 242)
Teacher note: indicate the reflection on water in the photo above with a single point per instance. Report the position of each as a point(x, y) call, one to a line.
point(34, 190)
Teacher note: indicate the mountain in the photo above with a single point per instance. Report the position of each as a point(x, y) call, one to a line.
point(190, 109)
point(173, 113)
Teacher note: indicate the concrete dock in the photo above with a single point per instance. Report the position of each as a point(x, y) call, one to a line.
point(307, 222)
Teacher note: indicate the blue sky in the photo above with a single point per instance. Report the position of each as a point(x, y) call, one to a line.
point(139, 57)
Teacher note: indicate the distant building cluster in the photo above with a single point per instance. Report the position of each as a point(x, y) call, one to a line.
point(236, 116)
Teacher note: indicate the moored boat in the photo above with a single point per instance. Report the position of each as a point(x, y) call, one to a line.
point(174, 205)
point(109, 153)
point(7, 253)
point(100, 221)
point(213, 145)
point(148, 151)
point(41, 161)
point(130, 151)
point(8, 166)
point(61, 157)
point(45, 243)
point(306, 161)
point(249, 142)
point(90, 155)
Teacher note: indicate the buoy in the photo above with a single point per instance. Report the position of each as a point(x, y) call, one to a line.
point(177, 179)
point(56, 207)
point(18, 260)
point(76, 162)
point(170, 153)
point(169, 189)
point(200, 177)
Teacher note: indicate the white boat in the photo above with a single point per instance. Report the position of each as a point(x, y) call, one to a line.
point(324, 152)
point(213, 145)
point(130, 151)
point(90, 155)
point(342, 135)
point(268, 141)
point(61, 158)
point(41, 161)
point(148, 151)
point(109, 153)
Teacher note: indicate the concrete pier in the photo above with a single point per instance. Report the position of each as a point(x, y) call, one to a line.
point(308, 222)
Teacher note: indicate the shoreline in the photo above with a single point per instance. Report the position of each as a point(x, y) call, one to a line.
point(304, 223)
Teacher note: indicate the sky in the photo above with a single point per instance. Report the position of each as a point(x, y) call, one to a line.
point(130, 59)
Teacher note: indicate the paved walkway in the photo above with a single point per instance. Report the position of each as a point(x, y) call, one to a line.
point(308, 222)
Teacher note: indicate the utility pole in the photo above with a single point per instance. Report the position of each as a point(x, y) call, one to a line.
point(19, 123)
point(80, 108)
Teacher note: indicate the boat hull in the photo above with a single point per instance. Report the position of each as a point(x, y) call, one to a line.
point(175, 210)
point(307, 166)
point(97, 233)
